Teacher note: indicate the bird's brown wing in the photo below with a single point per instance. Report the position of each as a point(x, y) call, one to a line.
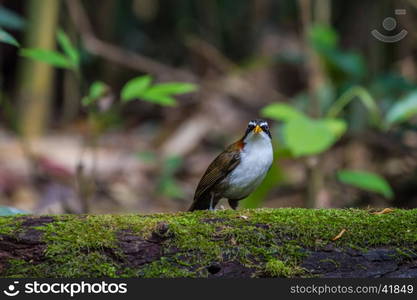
point(221, 166)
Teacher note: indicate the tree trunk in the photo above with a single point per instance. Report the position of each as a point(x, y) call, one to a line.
point(35, 78)
point(244, 243)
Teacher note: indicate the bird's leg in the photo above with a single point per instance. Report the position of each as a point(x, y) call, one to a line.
point(211, 202)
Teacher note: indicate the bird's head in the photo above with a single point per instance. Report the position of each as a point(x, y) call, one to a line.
point(257, 129)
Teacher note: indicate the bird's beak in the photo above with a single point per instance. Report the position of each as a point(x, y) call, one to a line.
point(257, 129)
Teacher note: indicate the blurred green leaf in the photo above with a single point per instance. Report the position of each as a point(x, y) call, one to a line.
point(135, 87)
point(403, 110)
point(391, 85)
point(155, 96)
point(366, 181)
point(305, 136)
point(336, 126)
point(97, 90)
point(10, 19)
point(141, 88)
point(324, 40)
point(347, 62)
point(7, 38)
point(10, 211)
point(68, 48)
point(363, 95)
point(174, 88)
point(323, 37)
point(280, 112)
point(53, 58)
point(171, 189)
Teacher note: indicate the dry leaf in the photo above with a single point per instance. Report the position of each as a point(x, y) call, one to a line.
point(384, 211)
point(244, 217)
point(339, 235)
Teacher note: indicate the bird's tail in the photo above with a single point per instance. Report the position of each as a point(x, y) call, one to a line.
point(197, 205)
point(201, 203)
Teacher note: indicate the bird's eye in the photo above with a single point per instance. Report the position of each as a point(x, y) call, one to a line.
point(265, 127)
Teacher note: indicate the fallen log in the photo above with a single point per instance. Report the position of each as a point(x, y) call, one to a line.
point(286, 242)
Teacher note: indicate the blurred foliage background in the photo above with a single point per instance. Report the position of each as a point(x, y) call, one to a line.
point(119, 106)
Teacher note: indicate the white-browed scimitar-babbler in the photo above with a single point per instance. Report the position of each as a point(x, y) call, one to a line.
point(236, 172)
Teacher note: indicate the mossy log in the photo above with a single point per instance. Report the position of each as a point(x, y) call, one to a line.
point(245, 243)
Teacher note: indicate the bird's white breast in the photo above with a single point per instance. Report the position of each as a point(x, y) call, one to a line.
point(255, 161)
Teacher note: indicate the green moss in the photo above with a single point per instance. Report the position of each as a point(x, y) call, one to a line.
point(18, 268)
point(406, 253)
point(9, 225)
point(270, 240)
point(165, 268)
point(91, 264)
point(277, 268)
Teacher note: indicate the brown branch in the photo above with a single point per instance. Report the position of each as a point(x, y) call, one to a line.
point(116, 54)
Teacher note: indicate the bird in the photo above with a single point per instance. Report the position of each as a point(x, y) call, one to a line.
point(236, 172)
